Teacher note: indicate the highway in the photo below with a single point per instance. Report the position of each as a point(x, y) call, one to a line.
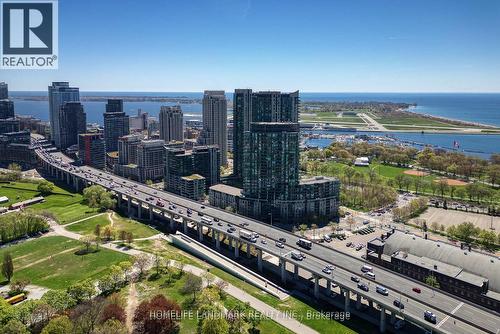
point(453, 315)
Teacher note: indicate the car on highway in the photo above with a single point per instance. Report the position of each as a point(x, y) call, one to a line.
point(283, 240)
point(231, 230)
point(369, 275)
point(382, 290)
point(355, 279)
point(330, 266)
point(327, 270)
point(363, 287)
point(398, 304)
point(296, 255)
point(263, 241)
point(219, 224)
point(279, 244)
point(417, 290)
point(216, 219)
point(430, 317)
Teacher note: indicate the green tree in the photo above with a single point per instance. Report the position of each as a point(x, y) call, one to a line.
point(14, 326)
point(97, 197)
point(82, 291)
point(432, 281)
point(466, 232)
point(7, 312)
point(45, 187)
point(212, 324)
point(487, 239)
point(7, 266)
point(59, 300)
point(59, 325)
point(192, 285)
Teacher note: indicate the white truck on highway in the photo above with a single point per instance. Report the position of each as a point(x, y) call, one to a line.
point(247, 235)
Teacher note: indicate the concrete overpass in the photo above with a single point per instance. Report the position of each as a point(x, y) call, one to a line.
point(454, 316)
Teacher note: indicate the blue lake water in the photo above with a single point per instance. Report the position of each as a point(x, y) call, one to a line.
point(481, 108)
point(473, 144)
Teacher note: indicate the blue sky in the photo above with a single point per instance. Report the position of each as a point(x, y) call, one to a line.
point(314, 46)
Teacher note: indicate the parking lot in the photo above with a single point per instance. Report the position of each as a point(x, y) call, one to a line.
point(452, 217)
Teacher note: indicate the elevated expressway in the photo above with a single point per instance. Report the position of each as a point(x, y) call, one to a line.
point(454, 316)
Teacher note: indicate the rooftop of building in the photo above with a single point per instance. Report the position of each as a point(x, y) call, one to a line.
point(193, 177)
point(113, 154)
point(473, 263)
point(224, 188)
point(317, 179)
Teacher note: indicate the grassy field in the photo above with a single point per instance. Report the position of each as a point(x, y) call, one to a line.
point(65, 205)
point(331, 117)
point(148, 289)
point(323, 326)
point(87, 226)
point(52, 261)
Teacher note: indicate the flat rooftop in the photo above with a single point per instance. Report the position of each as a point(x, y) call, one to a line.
point(224, 188)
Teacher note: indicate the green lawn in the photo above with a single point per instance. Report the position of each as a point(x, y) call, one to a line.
point(17, 192)
point(148, 289)
point(138, 230)
point(65, 205)
point(56, 270)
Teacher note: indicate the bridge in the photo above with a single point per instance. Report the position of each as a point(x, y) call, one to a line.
point(222, 230)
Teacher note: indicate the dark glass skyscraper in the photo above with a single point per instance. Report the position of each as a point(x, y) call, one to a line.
point(4, 91)
point(72, 121)
point(116, 124)
point(266, 136)
point(59, 93)
point(6, 109)
point(249, 107)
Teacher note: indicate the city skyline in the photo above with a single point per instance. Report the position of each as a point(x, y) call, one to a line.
point(324, 47)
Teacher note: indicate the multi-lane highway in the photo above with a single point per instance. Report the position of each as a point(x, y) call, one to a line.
point(453, 315)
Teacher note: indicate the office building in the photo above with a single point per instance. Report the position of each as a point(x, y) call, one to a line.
point(460, 271)
point(72, 122)
point(127, 149)
point(116, 124)
point(215, 121)
point(91, 150)
point(16, 147)
point(6, 109)
point(4, 91)
point(59, 93)
point(266, 136)
point(139, 122)
point(9, 125)
point(171, 124)
point(114, 105)
point(151, 160)
point(190, 173)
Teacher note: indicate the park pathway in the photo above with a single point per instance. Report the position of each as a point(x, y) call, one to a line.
point(278, 316)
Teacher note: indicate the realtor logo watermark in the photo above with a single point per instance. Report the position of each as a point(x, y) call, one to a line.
point(29, 33)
